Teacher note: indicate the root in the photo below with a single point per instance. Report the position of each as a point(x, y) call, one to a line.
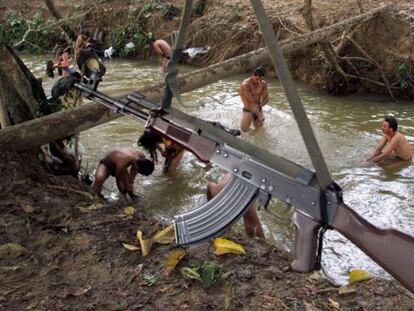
point(87, 195)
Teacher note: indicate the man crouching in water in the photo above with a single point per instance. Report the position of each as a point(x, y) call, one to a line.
point(116, 163)
point(253, 92)
point(393, 143)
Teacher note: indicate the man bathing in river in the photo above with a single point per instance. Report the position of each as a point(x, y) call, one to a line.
point(116, 163)
point(163, 49)
point(253, 92)
point(392, 144)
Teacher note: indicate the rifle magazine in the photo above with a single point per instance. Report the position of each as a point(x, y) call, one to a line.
point(217, 215)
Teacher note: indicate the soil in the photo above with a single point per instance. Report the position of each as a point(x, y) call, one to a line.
point(73, 257)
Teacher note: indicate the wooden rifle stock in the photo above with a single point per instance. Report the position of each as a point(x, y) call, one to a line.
point(391, 249)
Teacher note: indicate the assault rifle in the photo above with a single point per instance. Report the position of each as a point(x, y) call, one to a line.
point(260, 175)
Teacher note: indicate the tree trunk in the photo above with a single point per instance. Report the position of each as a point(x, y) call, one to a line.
point(20, 92)
point(37, 132)
point(55, 13)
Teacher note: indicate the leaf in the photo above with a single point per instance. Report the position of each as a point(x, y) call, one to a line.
point(11, 250)
point(130, 247)
point(190, 273)
point(209, 274)
point(347, 289)
point(145, 244)
point(129, 211)
point(224, 246)
point(356, 276)
point(172, 260)
point(165, 236)
point(151, 279)
point(9, 268)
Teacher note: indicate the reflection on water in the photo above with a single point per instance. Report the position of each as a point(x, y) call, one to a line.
point(347, 129)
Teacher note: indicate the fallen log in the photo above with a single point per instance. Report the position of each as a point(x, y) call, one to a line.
point(42, 130)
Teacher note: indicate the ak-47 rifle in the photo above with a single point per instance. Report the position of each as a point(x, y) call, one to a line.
point(259, 175)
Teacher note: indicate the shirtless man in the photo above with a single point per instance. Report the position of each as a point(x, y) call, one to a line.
point(163, 49)
point(393, 143)
point(116, 163)
point(253, 92)
point(252, 224)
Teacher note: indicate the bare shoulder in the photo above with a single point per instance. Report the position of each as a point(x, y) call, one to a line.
point(246, 83)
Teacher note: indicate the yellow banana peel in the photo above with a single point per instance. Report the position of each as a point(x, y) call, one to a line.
point(172, 261)
point(165, 236)
point(224, 246)
point(356, 276)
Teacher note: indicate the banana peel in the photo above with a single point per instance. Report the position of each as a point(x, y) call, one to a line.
point(165, 236)
point(172, 261)
point(224, 246)
point(356, 276)
point(145, 244)
point(130, 247)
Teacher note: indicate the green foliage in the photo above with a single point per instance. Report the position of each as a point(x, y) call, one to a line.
point(404, 76)
point(206, 272)
point(134, 31)
point(15, 27)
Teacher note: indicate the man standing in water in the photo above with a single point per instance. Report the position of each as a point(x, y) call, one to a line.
point(116, 163)
point(163, 49)
point(393, 143)
point(253, 92)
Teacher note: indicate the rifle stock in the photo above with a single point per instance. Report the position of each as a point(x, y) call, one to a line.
point(391, 249)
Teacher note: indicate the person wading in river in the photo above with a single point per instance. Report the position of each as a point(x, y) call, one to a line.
point(392, 144)
point(116, 163)
point(253, 92)
point(163, 49)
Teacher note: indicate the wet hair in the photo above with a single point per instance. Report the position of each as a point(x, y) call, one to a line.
point(145, 166)
point(392, 121)
point(149, 140)
point(260, 72)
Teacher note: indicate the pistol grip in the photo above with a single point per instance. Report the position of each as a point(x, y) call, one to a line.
point(306, 241)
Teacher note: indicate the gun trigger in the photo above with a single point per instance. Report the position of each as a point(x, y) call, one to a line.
point(263, 199)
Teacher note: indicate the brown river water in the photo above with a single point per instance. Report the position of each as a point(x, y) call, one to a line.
point(347, 130)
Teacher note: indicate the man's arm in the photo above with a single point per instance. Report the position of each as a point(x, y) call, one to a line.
point(378, 149)
point(131, 178)
point(388, 150)
point(122, 180)
point(265, 95)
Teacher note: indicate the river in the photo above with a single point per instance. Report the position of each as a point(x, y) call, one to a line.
point(347, 129)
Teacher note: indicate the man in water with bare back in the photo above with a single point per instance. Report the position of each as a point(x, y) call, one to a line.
point(253, 92)
point(392, 144)
point(116, 163)
point(163, 49)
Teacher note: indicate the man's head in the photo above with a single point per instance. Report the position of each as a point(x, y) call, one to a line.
point(149, 141)
point(145, 166)
point(389, 124)
point(259, 72)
